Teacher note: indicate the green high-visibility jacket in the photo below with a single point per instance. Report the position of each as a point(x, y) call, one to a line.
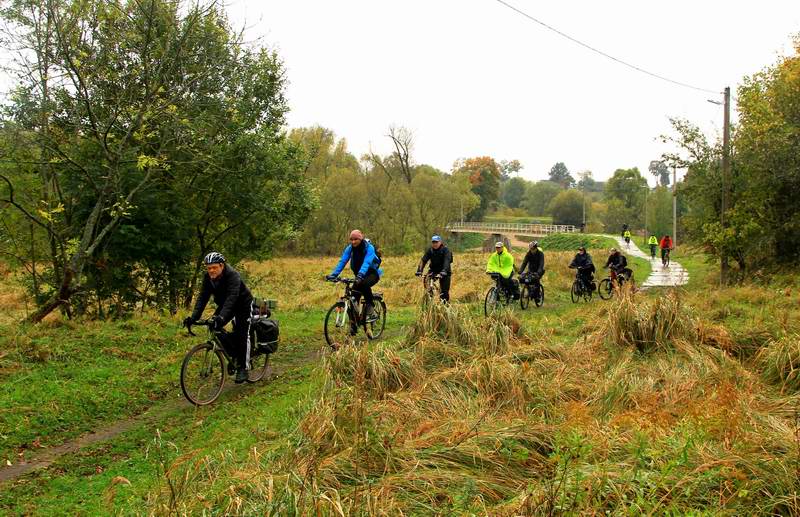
point(502, 263)
point(653, 240)
point(627, 233)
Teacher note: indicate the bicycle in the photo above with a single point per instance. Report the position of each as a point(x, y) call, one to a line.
point(345, 316)
point(530, 290)
point(665, 257)
point(203, 371)
point(497, 297)
point(581, 289)
point(627, 243)
point(433, 290)
point(607, 285)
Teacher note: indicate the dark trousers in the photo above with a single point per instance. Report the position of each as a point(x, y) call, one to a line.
point(364, 287)
point(587, 275)
point(444, 287)
point(653, 250)
point(239, 339)
point(509, 285)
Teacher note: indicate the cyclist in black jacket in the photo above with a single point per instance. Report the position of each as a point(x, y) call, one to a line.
point(618, 263)
point(440, 258)
point(234, 302)
point(534, 261)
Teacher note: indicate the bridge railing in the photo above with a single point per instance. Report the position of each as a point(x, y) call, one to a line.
point(512, 228)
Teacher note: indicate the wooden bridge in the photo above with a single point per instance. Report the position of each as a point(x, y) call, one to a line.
point(527, 230)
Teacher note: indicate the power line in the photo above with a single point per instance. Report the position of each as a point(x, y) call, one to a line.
point(609, 56)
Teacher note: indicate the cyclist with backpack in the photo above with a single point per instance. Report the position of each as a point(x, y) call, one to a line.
point(534, 263)
point(583, 263)
point(440, 258)
point(234, 303)
point(365, 263)
point(618, 264)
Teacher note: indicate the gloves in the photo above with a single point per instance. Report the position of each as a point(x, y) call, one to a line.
point(188, 321)
point(418, 273)
point(359, 277)
point(441, 275)
point(330, 278)
point(215, 323)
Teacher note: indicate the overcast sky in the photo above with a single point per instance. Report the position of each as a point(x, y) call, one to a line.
point(473, 78)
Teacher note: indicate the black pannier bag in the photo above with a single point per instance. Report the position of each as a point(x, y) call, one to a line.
point(266, 332)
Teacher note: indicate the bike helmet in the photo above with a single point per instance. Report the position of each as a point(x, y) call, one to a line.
point(498, 244)
point(613, 250)
point(533, 244)
point(214, 257)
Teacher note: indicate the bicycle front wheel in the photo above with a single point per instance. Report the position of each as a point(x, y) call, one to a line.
point(575, 292)
point(606, 289)
point(202, 374)
point(525, 297)
point(339, 330)
point(259, 367)
point(490, 303)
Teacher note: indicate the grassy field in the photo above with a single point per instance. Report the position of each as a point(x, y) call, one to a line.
point(664, 404)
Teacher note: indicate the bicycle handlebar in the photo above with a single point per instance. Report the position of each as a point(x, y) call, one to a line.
point(342, 280)
point(198, 323)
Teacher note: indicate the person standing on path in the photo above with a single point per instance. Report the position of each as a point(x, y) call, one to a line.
point(440, 258)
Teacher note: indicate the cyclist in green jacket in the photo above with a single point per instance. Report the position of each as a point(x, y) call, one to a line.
point(653, 242)
point(502, 262)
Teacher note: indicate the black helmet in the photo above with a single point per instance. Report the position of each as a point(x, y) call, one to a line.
point(214, 257)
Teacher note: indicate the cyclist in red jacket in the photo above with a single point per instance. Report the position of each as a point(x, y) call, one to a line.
point(666, 246)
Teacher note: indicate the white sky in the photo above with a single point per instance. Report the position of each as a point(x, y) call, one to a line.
point(472, 77)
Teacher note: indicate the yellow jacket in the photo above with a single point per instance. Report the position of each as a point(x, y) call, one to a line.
point(653, 240)
point(502, 263)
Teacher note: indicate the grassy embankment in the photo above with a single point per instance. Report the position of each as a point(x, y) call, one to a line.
point(62, 379)
point(671, 403)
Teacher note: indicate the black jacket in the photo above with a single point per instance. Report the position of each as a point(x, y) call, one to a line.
point(230, 294)
point(440, 260)
point(617, 260)
point(582, 261)
point(534, 260)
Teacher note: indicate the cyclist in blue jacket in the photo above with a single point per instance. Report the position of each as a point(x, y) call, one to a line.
point(365, 263)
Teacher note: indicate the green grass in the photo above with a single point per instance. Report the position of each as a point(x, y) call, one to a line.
point(572, 241)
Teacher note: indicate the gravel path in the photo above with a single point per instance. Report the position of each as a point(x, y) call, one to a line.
point(660, 276)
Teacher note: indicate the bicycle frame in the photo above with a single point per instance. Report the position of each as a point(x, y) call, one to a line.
point(351, 306)
point(214, 336)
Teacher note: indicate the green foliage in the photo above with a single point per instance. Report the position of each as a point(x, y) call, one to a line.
point(572, 241)
point(539, 195)
point(560, 174)
point(483, 174)
point(512, 192)
point(567, 208)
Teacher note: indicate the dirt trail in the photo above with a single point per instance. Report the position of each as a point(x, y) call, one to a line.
point(153, 415)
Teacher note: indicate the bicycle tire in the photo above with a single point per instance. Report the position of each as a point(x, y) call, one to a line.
point(525, 297)
point(212, 366)
point(575, 291)
point(259, 366)
point(539, 301)
point(492, 299)
point(606, 289)
point(337, 335)
point(666, 261)
point(380, 323)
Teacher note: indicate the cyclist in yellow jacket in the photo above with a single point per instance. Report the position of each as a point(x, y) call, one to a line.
point(653, 242)
point(502, 262)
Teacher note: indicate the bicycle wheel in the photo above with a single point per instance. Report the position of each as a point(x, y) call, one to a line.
point(376, 327)
point(202, 374)
point(525, 297)
point(606, 289)
point(491, 301)
point(666, 260)
point(338, 331)
point(575, 292)
point(259, 367)
point(538, 296)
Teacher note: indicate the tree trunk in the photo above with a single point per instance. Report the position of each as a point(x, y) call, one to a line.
point(57, 300)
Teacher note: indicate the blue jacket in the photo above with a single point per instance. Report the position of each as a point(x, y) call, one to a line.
point(363, 259)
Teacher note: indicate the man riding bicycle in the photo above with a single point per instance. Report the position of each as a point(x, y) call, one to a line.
point(234, 302)
point(502, 262)
point(534, 263)
point(440, 258)
point(666, 246)
point(365, 263)
point(618, 264)
point(627, 236)
point(653, 242)
point(583, 263)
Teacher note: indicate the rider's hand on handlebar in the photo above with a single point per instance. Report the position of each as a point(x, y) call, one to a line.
point(188, 321)
point(418, 273)
point(331, 278)
point(215, 323)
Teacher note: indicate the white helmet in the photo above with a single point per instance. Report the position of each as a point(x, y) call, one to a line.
point(214, 257)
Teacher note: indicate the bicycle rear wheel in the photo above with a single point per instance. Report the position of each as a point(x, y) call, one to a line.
point(202, 374)
point(259, 367)
point(525, 297)
point(339, 330)
point(376, 327)
point(606, 289)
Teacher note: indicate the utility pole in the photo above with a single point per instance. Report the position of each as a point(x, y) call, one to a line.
point(646, 191)
point(674, 206)
point(726, 171)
